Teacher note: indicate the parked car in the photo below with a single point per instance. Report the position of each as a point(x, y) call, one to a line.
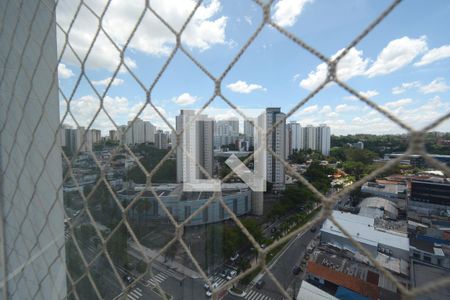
point(231, 274)
point(296, 270)
point(128, 279)
point(314, 229)
point(214, 285)
point(259, 285)
point(235, 257)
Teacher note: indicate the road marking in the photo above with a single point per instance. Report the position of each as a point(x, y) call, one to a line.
point(157, 279)
point(254, 295)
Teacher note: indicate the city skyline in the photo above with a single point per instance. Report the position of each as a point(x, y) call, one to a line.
point(405, 69)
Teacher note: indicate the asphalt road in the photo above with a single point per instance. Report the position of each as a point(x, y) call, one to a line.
point(282, 269)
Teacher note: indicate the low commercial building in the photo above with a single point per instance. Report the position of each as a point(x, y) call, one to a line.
point(388, 191)
point(377, 207)
point(364, 230)
point(429, 197)
point(237, 196)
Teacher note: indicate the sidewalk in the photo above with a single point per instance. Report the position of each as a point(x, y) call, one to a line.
point(171, 264)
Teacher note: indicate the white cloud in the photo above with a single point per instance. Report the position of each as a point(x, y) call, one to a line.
point(397, 54)
point(405, 86)
point(119, 108)
point(286, 12)
point(185, 99)
point(244, 87)
point(368, 94)
point(295, 77)
point(308, 110)
point(105, 82)
point(434, 55)
point(248, 19)
point(345, 108)
point(351, 65)
point(152, 37)
point(326, 109)
point(398, 103)
point(436, 86)
point(64, 72)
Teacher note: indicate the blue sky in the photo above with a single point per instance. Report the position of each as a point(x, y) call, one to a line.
point(403, 64)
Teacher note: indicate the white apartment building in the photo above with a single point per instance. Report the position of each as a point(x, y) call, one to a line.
point(309, 137)
point(199, 144)
point(226, 132)
point(138, 132)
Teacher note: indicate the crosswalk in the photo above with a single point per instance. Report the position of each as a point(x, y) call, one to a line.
point(134, 294)
point(254, 295)
point(156, 279)
point(219, 280)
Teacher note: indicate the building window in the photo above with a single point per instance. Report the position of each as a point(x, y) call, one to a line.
point(427, 258)
point(235, 206)
point(221, 212)
point(205, 215)
point(187, 212)
point(416, 254)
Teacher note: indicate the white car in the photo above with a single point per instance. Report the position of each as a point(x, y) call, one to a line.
point(208, 293)
point(231, 275)
point(213, 286)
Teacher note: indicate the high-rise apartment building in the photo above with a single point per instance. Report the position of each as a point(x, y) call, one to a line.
point(309, 137)
point(294, 137)
point(161, 139)
point(276, 141)
point(96, 136)
point(113, 136)
point(139, 132)
point(226, 132)
point(323, 139)
point(198, 142)
point(149, 132)
point(248, 133)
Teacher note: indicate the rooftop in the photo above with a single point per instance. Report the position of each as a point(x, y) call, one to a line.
point(363, 230)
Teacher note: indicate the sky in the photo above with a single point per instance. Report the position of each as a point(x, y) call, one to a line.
point(403, 65)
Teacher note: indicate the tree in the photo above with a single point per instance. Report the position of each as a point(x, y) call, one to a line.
point(118, 244)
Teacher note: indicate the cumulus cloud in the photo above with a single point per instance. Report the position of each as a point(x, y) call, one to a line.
point(286, 12)
point(397, 54)
point(152, 37)
point(398, 103)
point(345, 108)
point(120, 109)
point(434, 55)
point(106, 81)
point(367, 94)
point(436, 86)
point(185, 99)
point(404, 87)
point(64, 72)
point(244, 87)
point(351, 65)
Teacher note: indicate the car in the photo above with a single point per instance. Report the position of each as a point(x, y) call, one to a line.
point(314, 229)
point(259, 285)
point(231, 274)
point(214, 286)
point(223, 274)
point(263, 246)
point(235, 257)
point(76, 213)
point(128, 279)
point(208, 293)
point(296, 270)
